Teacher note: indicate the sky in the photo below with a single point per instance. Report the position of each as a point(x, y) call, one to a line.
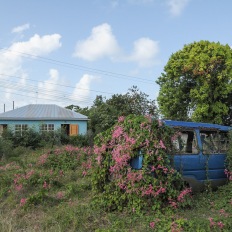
point(68, 52)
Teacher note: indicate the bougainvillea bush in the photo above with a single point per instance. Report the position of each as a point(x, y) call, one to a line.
point(155, 185)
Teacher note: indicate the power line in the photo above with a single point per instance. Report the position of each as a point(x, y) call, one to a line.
point(81, 67)
point(68, 86)
point(42, 98)
point(55, 95)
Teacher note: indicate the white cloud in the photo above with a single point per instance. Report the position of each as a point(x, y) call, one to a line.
point(144, 52)
point(21, 28)
point(38, 45)
point(81, 92)
point(177, 6)
point(12, 58)
point(101, 43)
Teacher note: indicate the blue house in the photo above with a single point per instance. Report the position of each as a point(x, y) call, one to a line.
point(43, 117)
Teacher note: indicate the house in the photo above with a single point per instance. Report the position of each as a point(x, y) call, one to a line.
point(44, 117)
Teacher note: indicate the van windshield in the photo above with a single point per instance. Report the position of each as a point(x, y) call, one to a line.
point(214, 141)
point(185, 143)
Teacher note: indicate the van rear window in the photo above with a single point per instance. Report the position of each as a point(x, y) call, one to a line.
point(214, 142)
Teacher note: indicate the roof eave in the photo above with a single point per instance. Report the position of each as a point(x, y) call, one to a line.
point(44, 119)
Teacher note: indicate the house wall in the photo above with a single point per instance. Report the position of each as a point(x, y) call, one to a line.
point(82, 125)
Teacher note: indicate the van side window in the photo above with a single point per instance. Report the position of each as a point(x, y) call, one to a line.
point(186, 143)
point(214, 142)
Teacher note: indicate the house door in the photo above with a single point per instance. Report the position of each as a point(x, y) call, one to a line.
point(73, 129)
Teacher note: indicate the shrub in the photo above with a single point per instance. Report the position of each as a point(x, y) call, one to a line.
point(6, 147)
point(79, 140)
point(33, 139)
point(155, 185)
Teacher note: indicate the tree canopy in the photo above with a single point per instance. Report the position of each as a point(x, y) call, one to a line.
point(104, 113)
point(197, 84)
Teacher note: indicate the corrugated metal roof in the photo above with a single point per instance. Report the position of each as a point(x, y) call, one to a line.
point(42, 112)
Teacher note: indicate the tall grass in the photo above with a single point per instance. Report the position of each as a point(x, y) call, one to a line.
point(66, 201)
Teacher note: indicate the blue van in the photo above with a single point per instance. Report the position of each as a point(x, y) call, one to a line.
point(200, 153)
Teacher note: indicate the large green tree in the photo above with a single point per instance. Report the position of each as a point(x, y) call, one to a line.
point(197, 84)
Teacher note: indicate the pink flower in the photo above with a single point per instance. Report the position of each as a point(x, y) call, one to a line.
point(183, 194)
point(212, 223)
point(148, 191)
point(152, 224)
point(223, 213)
point(172, 203)
point(220, 225)
point(117, 132)
point(99, 158)
point(45, 185)
point(60, 195)
point(84, 173)
point(121, 119)
point(162, 144)
point(18, 187)
point(23, 201)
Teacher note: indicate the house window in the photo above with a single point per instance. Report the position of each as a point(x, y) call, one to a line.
point(20, 128)
point(47, 127)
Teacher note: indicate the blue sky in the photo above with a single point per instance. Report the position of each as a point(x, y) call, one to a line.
point(67, 52)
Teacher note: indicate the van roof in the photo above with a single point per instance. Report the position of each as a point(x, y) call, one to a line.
point(196, 125)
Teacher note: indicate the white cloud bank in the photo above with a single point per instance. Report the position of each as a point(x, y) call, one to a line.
point(21, 28)
point(177, 6)
point(103, 44)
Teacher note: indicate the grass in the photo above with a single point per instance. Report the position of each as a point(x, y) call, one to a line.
point(68, 204)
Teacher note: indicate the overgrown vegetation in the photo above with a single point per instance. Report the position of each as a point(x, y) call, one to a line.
point(156, 185)
point(54, 189)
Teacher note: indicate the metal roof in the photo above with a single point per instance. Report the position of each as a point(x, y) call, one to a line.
point(42, 112)
point(199, 125)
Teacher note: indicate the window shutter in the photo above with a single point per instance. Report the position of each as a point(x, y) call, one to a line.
point(73, 129)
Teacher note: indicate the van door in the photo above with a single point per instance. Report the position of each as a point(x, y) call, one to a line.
point(214, 147)
point(188, 159)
